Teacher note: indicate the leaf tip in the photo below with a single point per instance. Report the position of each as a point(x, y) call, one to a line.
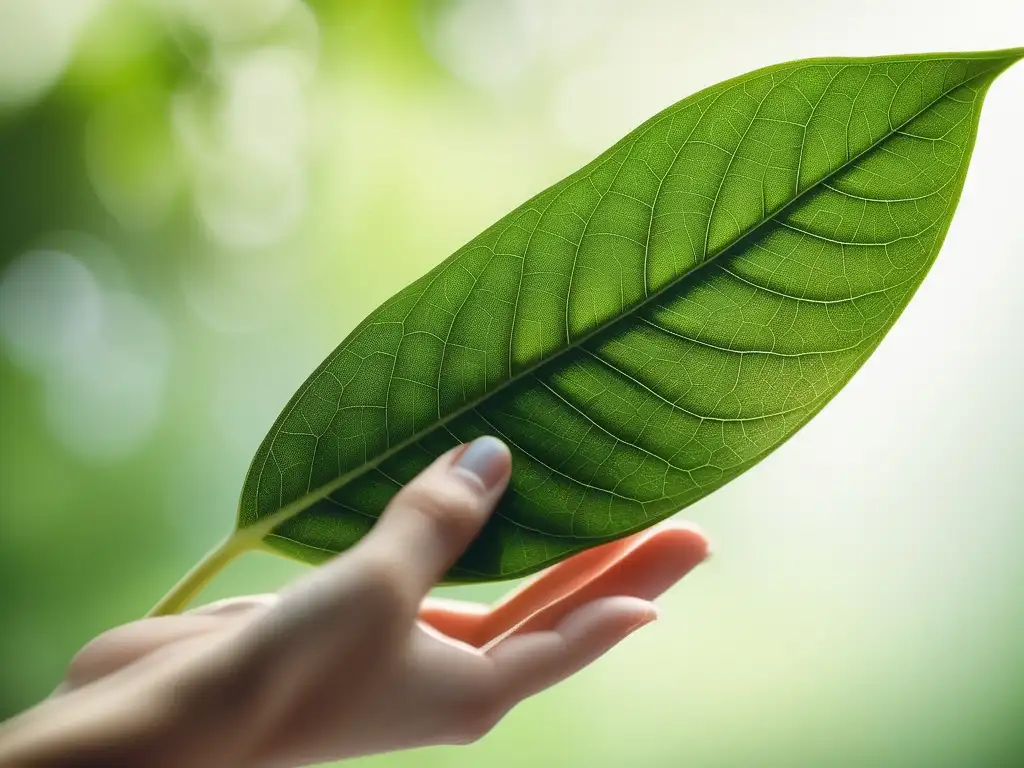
point(1009, 56)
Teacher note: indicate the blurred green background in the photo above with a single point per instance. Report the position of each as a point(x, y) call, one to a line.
point(200, 198)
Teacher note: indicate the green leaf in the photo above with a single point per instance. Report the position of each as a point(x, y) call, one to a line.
point(651, 326)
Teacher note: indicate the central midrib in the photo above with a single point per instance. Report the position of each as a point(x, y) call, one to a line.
point(262, 527)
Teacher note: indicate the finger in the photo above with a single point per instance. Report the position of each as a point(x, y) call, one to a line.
point(457, 619)
point(529, 663)
point(126, 644)
point(434, 518)
point(643, 566)
point(554, 582)
point(235, 605)
point(384, 578)
point(547, 587)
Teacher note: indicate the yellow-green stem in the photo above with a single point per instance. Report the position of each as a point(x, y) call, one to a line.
point(199, 576)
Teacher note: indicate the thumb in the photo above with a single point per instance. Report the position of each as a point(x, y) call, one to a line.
point(432, 520)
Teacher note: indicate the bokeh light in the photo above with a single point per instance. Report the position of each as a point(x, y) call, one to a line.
point(101, 354)
point(50, 304)
point(36, 40)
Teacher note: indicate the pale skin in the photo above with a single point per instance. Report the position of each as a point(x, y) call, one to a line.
point(353, 658)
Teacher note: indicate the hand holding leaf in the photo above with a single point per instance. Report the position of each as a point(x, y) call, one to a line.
point(352, 659)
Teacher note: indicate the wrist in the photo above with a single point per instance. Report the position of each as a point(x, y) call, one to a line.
point(85, 728)
point(117, 723)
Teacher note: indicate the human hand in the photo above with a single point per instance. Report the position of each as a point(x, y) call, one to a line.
point(353, 658)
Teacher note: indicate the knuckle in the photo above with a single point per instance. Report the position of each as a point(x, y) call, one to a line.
point(475, 715)
point(88, 663)
point(105, 653)
point(450, 506)
point(476, 725)
point(381, 583)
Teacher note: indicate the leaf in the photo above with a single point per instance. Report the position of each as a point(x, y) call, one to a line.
point(648, 328)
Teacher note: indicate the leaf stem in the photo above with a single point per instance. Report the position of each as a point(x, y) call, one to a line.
point(199, 576)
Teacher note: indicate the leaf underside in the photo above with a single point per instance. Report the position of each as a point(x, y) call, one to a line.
point(648, 328)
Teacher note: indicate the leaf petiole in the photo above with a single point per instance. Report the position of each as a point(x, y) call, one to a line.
point(182, 593)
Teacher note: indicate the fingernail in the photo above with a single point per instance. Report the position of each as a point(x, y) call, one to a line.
point(487, 459)
point(709, 546)
point(646, 619)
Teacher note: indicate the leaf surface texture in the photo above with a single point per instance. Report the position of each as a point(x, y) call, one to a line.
point(648, 328)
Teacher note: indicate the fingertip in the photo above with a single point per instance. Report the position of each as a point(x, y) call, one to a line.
point(613, 617)
point(437, 514)
point(487, 461)
point(642, 621)
point(643, 565)
point(536, 660)
point(640, 615)
point(686, 540)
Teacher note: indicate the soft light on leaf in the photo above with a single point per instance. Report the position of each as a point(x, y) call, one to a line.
point(648, 328)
